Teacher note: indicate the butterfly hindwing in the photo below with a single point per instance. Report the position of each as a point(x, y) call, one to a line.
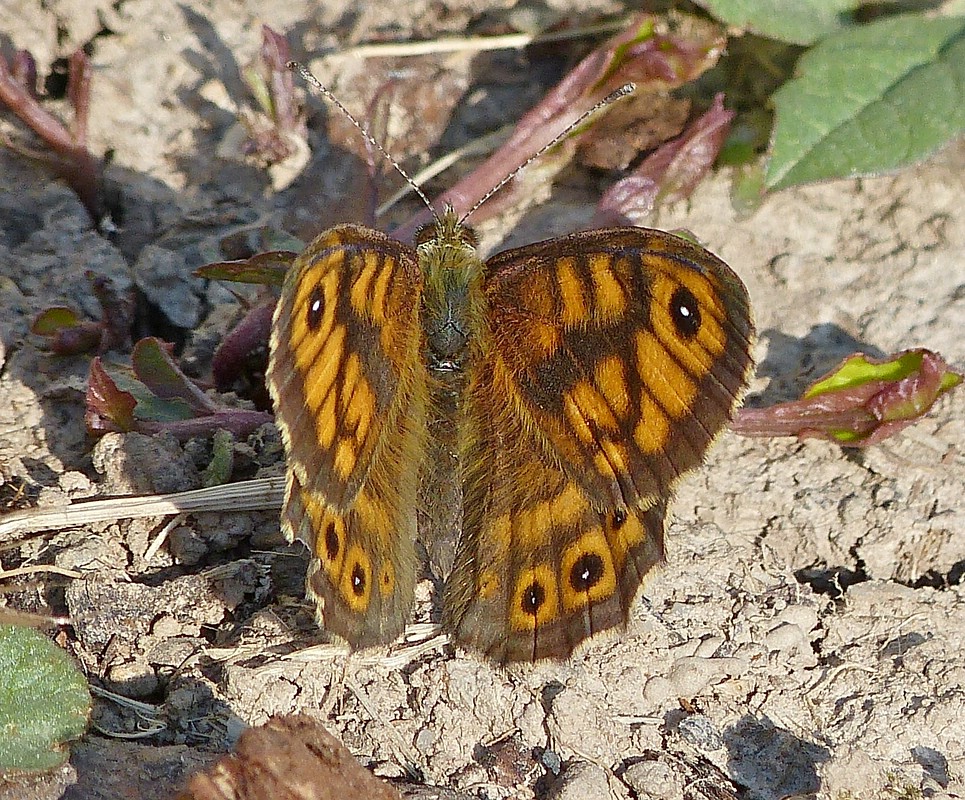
point(349, 386)
point(541, 565)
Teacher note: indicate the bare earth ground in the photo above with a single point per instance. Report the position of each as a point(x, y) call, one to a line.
point(812, 613)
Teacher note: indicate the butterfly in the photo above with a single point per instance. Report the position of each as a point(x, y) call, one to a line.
point(544, 402)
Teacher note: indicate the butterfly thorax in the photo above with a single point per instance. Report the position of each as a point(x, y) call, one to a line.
point(453, 302)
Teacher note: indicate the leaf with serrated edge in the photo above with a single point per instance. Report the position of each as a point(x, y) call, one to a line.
point(870, 99)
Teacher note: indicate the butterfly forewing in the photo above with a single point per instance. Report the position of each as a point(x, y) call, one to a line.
point(349, 386)
point(628, 349)
point(349, 318)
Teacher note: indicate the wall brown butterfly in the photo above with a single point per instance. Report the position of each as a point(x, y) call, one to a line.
point(570, 383)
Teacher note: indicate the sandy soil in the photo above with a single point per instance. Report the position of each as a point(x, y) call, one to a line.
point(805, 637)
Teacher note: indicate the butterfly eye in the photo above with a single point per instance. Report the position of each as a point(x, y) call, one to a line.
point(619, 517)
point(586, 572)
point(426, 233)
point(468, 236)
point(358, 580)
point(316, 305)
point(685, 312)
point(533, 598)
point(331, 541)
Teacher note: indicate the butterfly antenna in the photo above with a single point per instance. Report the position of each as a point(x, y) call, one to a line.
point(327, 93)
point(623, 91)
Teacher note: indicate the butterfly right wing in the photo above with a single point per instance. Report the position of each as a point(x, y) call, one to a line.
point(349, 388)
point(541, 565)
point(609, 361)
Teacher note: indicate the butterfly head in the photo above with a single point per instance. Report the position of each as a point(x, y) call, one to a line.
point(446, 231)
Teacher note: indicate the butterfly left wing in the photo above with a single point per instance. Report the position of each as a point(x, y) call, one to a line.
point(349, 387)
point(610, 361)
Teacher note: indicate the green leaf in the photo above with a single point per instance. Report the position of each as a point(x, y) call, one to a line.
point(151, 408)
point(156, 369)
point(797, 22)
point(54, 320)
point(265, 268)
point(623, 51)
point(218, 471)
point(870, 99)
point(43, 701)
point(747, 189)
point(259, 88)
point(858, 370)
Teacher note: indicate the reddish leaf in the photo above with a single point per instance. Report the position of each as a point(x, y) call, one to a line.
point(76, 164)
point(239, 422)
point(669, 174)
point(84, 338)
point(249, 336)
point(117, 311)
point(274, 131)
point(78, 93)
point(108, 408)
point(862, 402)
point(275, 56)
point(24, 71)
